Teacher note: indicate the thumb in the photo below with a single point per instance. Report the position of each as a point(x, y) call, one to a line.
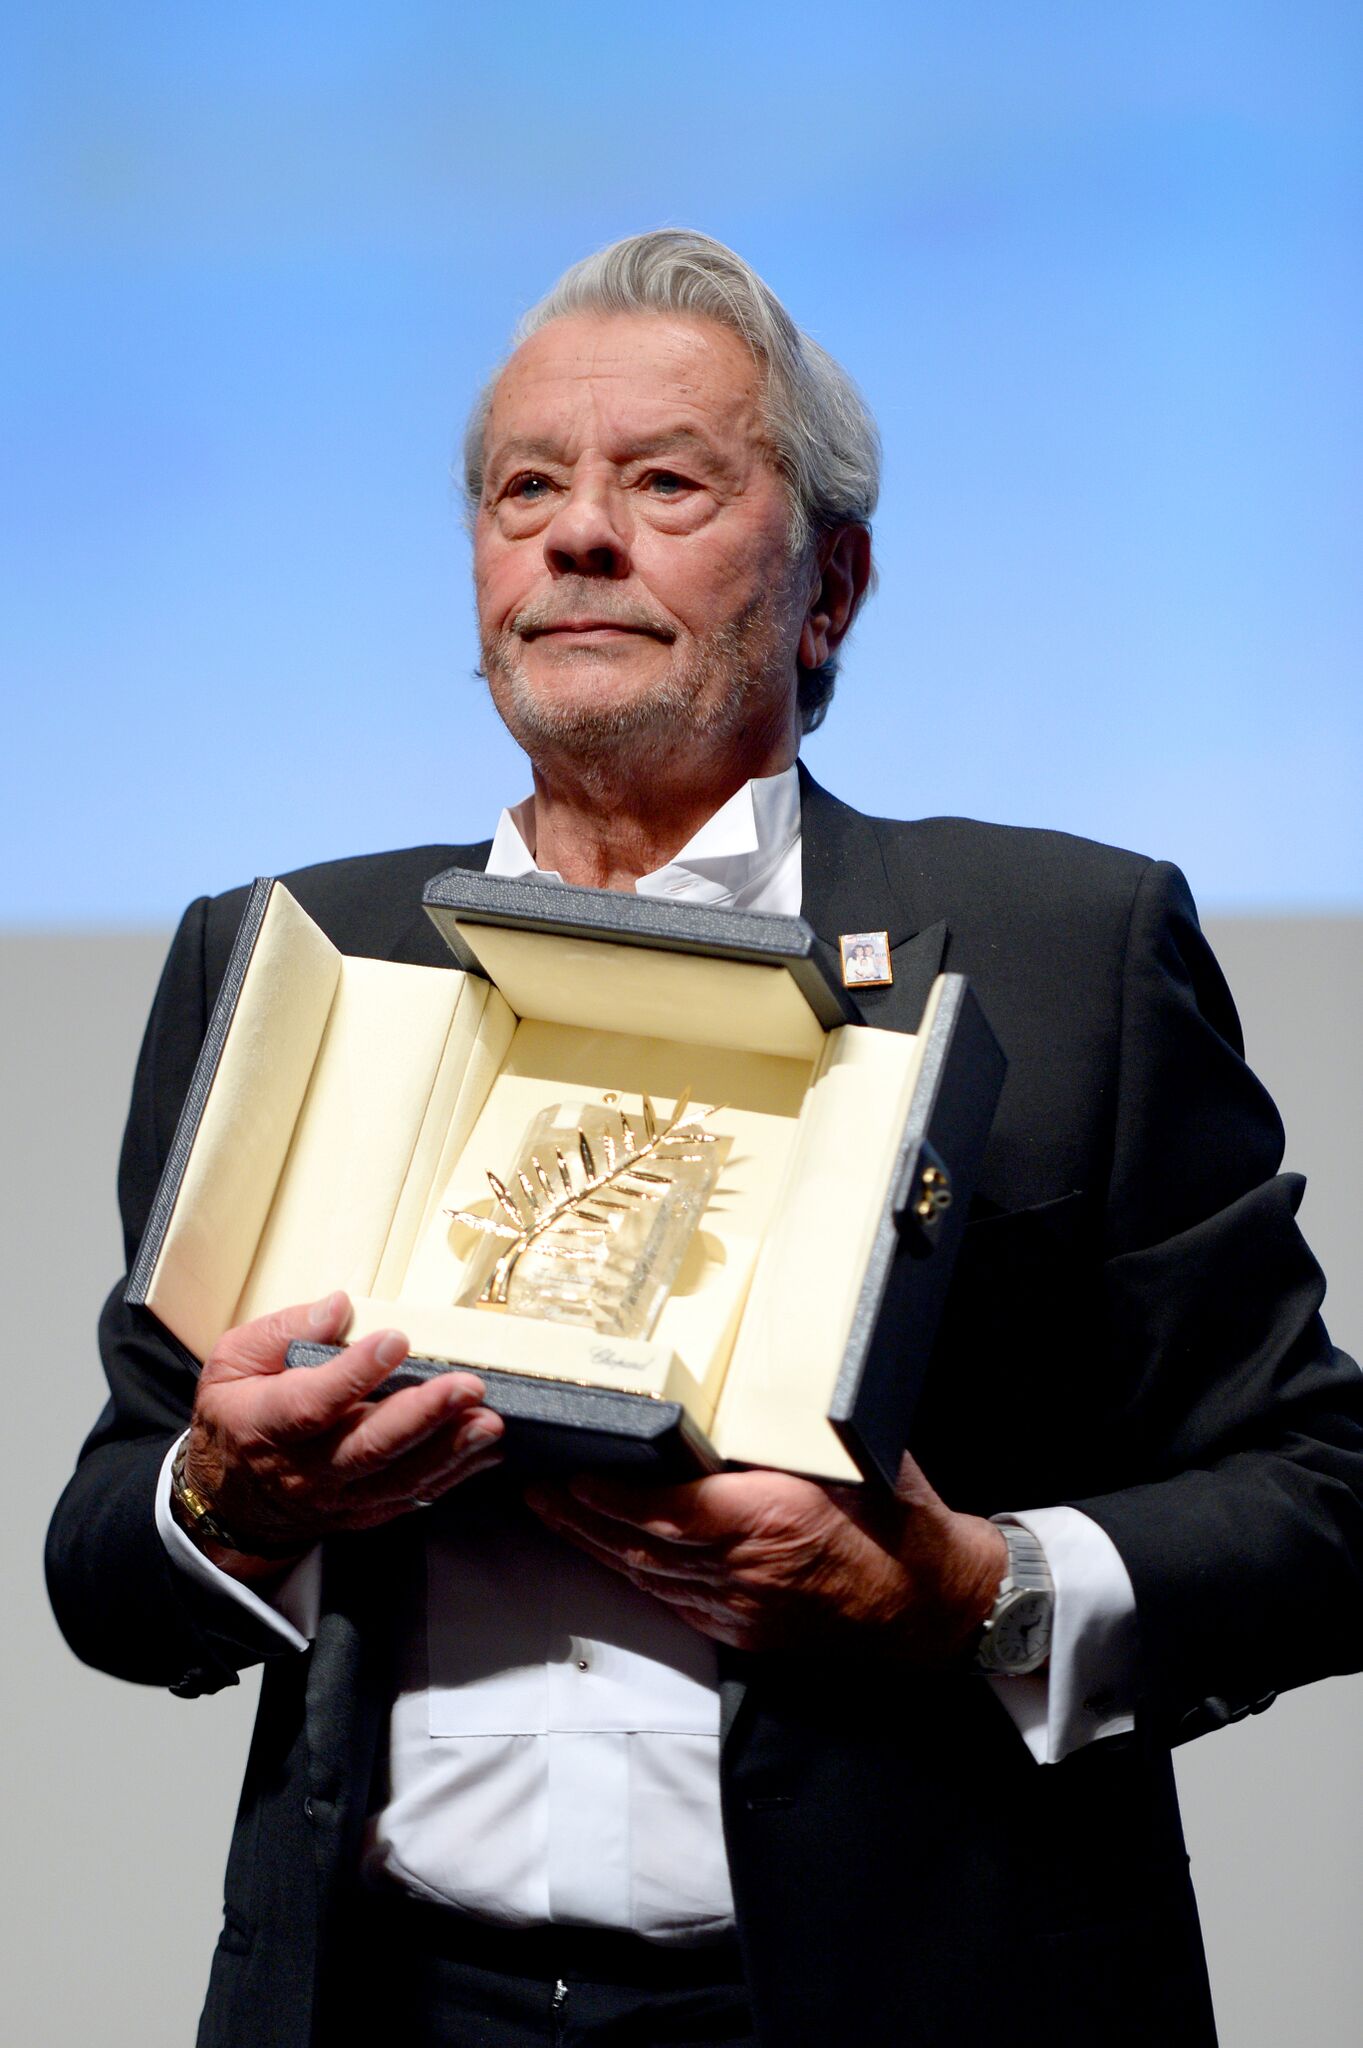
point(259, 1347)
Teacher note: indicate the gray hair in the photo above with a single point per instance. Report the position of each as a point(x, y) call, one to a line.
point(823, 437)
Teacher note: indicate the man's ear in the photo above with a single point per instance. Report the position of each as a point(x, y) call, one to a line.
point(842, 564)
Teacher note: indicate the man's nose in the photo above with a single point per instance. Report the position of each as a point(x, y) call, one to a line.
point(585, 536)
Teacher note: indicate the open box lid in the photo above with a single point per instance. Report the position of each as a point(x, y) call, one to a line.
point(549, 949)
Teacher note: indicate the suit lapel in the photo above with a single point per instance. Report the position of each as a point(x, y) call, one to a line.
point(846, 889)
point(418, 942)
point(350, 1684)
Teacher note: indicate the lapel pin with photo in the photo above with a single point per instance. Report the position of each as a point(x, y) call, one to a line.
point(865, 959)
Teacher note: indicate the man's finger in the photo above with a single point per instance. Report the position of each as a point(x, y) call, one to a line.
point(629, 1548)
point(699, 1511)
point(258, 1348)
point(434, 1467)
point(315, 1398)
point(618, 1555)
point(372, 1438)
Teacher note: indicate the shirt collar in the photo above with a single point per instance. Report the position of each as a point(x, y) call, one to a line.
point(724, 863)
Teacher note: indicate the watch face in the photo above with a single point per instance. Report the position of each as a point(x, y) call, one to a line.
point(1022, 1633)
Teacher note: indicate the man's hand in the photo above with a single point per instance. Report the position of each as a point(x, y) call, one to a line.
point(766, 1561)
point(285, 1458)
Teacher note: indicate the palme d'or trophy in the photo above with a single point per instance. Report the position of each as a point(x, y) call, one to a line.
point(595, 1217)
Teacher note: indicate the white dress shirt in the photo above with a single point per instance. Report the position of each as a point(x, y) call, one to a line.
point(553, 1746)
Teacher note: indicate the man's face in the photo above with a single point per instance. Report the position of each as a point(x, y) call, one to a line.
point(633, 577)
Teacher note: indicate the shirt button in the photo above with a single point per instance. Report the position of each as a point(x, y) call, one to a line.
point(582, 1664)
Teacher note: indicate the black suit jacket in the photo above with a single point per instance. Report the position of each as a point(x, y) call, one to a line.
point(1133, 1329)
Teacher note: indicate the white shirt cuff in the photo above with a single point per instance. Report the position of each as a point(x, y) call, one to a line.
point(1088, 1688)
point(290, 1611)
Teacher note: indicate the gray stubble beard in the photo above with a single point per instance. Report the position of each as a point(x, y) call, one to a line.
point(681, 705)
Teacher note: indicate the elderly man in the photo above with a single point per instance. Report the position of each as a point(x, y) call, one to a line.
point(749, 1759)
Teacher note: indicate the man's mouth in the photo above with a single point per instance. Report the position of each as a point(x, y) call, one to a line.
point(540, 620)
point(582, 629)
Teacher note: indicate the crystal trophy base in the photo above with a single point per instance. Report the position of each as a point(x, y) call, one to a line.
point(592, 1222)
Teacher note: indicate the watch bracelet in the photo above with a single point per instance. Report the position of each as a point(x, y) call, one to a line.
point(1028, 1571)
point(204, 1520)
point(1027, 1565)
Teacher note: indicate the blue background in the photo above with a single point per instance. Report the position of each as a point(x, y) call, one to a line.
point(1099, 270)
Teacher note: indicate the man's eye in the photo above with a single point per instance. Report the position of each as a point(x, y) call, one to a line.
point(665, 483)
point(530, 487)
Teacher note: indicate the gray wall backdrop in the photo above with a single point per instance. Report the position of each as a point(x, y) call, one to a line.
point(118, 1801)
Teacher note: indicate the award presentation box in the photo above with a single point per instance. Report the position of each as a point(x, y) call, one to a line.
point(343, 1108)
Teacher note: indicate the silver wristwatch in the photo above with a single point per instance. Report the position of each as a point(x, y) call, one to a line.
point(1016, 1638)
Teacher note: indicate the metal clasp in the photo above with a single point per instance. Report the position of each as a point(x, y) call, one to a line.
point(934, 1194)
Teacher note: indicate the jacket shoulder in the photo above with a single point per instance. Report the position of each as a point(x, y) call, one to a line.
point(1023, 870)
point(364, 903)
